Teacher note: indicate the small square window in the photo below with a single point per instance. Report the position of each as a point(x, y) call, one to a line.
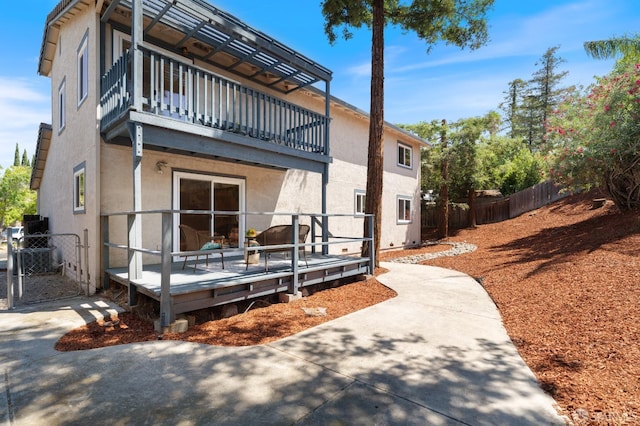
point(62, 100)
point(405, 155)
point(360, 200)
point(404, 210)
point(79, 187)
point(83, 70)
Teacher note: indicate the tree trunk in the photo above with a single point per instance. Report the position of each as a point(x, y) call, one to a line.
point(471, 217)
point(443, 199)
point(373, 203)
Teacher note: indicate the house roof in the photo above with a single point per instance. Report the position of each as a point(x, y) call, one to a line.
point(42, 150)
point(199, 30)
point(339, 103)
point(354, 110)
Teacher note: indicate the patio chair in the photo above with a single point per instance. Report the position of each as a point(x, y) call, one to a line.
point(281, 235)
point(195, 240)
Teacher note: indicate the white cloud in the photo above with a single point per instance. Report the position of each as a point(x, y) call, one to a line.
point(359, 70)
point(23, 106)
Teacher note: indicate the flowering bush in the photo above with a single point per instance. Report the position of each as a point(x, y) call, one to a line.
point(594, 138)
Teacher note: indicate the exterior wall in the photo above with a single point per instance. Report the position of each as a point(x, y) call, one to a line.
point(109, 167)
point(348, 174)
point(76, 143)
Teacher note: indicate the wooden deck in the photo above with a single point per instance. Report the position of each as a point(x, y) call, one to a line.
point(208, 286)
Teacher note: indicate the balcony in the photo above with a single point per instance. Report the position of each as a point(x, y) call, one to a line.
point(175, 93)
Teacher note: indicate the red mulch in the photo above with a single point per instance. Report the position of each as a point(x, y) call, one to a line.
point(566, 279)
point(261, 325)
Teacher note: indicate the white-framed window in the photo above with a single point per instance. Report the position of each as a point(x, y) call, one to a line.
point(199, 191)
point(62, 101)
point(83, 69)
point(404, 209)
point(405, 155)
point(79, 188)
point(359, 201)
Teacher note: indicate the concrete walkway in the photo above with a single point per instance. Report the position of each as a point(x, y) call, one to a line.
point(437, 354)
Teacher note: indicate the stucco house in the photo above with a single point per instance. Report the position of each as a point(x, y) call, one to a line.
point(179, 107)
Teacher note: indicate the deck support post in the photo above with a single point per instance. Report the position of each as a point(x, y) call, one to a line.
point(135, 133)
point(135, 224)
point(166, 305)
point(295, 236)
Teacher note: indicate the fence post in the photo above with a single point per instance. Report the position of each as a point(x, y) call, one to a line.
point(86, 259)
point(9, 269)
point(19, 269)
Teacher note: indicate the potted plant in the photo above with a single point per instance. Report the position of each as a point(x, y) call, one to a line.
point(251, 256)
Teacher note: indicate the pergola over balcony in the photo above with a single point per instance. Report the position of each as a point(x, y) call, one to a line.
point(198, 30)
point(168, 95)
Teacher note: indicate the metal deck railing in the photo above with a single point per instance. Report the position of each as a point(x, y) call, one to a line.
point(182, 91)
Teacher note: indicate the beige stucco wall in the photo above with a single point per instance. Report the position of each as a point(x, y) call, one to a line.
point(267, 190)
point(348, 174)
point(76, 143)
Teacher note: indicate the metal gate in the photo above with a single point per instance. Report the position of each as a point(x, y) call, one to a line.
point(46, 267)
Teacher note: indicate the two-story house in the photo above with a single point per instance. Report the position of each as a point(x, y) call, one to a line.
point(178, 106)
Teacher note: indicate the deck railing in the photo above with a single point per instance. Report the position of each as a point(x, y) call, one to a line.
point(120, 236)
point(182, 91)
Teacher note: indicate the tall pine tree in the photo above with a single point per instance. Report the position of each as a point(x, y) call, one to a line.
point(461, 23)
point(16, 156)
point(546, 93)
point(25, 159)
point(527, 105)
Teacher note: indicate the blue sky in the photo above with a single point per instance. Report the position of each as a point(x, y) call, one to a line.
point(446, 83)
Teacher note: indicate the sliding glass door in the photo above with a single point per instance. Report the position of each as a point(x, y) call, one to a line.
point(204, 192)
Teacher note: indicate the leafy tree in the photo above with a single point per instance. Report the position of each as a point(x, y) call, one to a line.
point(16, 199)
point(458, 22)
point(498, 161)
point(594, 141)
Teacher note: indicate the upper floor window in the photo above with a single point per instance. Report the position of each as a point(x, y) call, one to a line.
point(62, 100)
point(83, 69)
point(405, 155)
point(79, 188)
point(404, 209)
point(360, 199)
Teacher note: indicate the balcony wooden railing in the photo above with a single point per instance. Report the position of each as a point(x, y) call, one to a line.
point(182, 91)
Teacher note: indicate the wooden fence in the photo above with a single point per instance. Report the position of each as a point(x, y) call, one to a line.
point(507, 208)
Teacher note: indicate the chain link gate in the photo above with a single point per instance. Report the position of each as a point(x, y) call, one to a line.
point(46, 267)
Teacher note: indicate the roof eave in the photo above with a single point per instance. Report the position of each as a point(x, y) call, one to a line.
point(52, 31)
point(42, 151)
